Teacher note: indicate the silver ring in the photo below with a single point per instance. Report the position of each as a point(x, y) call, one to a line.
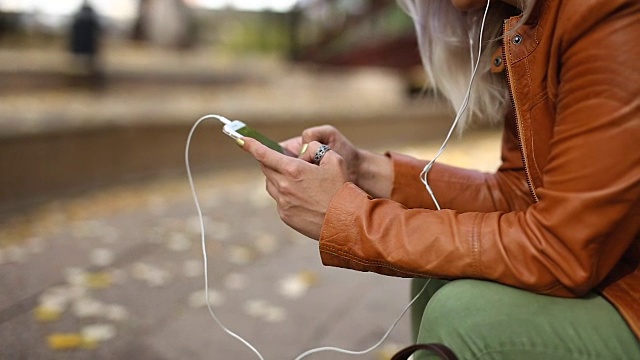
point(320, 154)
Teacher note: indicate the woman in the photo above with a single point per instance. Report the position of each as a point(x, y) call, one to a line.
point(543, 254)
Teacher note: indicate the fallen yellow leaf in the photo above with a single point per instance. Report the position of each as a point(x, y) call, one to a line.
point(98, 280)
point(60, 341)
point(46, 314)
point(308, 277)
point(89, 344)
point(71, 341)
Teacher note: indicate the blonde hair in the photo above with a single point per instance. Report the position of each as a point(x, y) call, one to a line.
point(448, 44)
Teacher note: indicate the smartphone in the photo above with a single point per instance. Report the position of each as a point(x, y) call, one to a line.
point(237, 130)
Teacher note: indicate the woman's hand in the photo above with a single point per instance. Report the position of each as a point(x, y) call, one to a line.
point(302, 190)
point(329, 135)
point(372, 172)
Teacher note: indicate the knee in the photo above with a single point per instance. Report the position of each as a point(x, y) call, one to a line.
point(456, 314)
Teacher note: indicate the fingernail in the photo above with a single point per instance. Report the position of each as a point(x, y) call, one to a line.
point(240, 142)
point(304, 148)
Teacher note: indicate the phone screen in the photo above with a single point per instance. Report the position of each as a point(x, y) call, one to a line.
point(252, 133)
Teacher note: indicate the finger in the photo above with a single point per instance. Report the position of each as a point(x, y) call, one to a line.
point(271, 189)
point(312, 151)
point(309, 151)
point(272, 175)
point(265, 155)
point(323, 134)
point(331, 158)
point(293, 145)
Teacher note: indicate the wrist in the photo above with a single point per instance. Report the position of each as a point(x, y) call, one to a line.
point(375, 174)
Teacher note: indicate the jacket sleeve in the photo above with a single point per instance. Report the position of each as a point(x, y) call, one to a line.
point(588, 212)
point(463, 189)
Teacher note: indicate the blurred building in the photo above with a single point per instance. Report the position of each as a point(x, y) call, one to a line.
point(358, 33)
point(165, 22)
point(363, 32)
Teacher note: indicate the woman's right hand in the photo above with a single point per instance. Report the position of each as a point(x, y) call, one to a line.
point(371, 172)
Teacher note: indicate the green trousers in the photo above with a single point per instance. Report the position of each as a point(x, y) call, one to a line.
point(485, 320)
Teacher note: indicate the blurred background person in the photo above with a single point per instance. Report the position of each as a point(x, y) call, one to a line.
point(84, 44)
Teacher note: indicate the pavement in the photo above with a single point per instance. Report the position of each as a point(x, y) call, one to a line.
point(132, 280)
point(118, 272)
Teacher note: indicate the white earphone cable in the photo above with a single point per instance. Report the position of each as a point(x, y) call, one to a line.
point(202, 237)
point(206, 276)
point(465, 102)
point(362, 352)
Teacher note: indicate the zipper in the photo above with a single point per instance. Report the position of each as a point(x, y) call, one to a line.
point(515, 114)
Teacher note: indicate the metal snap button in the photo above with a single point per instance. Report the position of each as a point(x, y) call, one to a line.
point(497, 61)
point(517, 39)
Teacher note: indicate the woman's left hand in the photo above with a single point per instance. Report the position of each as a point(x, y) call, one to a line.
point(302, 190)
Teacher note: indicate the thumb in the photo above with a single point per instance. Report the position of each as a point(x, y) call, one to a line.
point(263, 154)
point(250, 145)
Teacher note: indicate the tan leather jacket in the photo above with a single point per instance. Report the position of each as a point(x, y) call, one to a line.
point(561, 216)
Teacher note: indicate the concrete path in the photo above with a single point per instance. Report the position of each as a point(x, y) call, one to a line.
point(137, 273)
